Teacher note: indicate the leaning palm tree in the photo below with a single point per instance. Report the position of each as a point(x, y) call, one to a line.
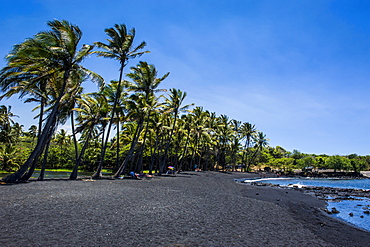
point(56, 52)
point(92, 111)
point(110, 92)
point(120, 47)
point(260, 142)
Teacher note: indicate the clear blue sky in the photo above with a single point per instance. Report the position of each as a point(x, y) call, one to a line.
point(299, 70)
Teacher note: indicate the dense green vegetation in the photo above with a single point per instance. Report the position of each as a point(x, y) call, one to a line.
point(153, 128)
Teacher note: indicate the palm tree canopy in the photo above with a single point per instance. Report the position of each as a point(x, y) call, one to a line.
point(120, 44)
point(145, 79)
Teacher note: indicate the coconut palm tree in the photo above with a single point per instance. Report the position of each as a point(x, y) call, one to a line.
point(144, 79)
point(93, 110)
point(173, 105)
point(235, 141)
point(199, 131)
point(62, 139)
point(56, 52)
point(32, 132)
point(120, 47)
point(110, 92)
point(137, 112)
point(6, 124)
point(248, 132)
point(8, 157)
point(145, 84)
point(224, 135)
point(260, 142)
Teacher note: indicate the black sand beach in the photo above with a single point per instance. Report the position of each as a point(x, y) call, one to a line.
point(191, 209)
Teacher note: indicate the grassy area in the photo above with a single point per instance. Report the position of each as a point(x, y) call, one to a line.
point(70, 170)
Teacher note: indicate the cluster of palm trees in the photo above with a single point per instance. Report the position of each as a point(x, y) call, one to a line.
point(10, 132)
point(154, 129)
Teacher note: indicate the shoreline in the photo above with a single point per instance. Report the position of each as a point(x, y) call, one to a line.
point(189, 209)
point(335, 197)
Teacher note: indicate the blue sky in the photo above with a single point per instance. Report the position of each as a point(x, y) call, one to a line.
point(299, 70)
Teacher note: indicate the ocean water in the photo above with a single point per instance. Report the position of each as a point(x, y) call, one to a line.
point(352, 211)
point(321, 182)
point(357, 207)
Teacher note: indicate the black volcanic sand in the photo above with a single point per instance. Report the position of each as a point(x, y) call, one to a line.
point(191, 209)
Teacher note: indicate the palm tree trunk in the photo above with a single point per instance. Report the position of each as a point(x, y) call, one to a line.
point(46, 132)
point(43, 166)
point(142, 148)
point(27, 176)
point(118, 147)
point(129, 156)
point(30, 172)
point(184, 152)
point(97, 174)
point(168, 144)
point(252, 158)
point(74, 173)
point(154, 153)
point(74, 137)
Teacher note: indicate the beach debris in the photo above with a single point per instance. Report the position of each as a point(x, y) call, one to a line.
point(351, 214)
point(257, 194)
point(367, 212)
point(334, 211)
point(361, 216)
point(327, 211)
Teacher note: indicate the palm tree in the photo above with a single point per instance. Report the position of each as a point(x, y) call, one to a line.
point(137, 111)
point(145, 80)
point(145, 85)
point(224, 135)
point(211, 149)
point(73, 93)
point(92, 112)
point(156, 133)
point(198, 131)
point(110, 92)
point(119, 47)
point(235, 141)
point(32, 132)
point(6, 124)
point(173, 104)
point(248, 132)
point(56, 53)
point(142, 103)
point(260, 142)
point(8, 157)
point(62, 139)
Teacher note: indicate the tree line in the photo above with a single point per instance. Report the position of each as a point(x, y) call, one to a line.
point(153, 128)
